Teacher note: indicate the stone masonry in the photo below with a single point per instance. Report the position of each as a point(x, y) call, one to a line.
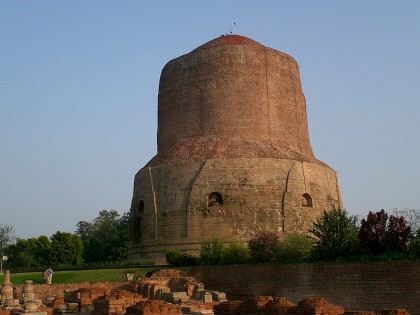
point(171, 292)
point(234, 155)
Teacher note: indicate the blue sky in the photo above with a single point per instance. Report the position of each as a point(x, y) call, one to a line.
point(79, 82)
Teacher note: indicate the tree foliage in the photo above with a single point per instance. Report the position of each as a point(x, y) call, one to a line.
point(412, 216)
point(294, 247)
point(334, 234)
point(415, 244)
point(7, 236)
point(373, 231)
point(30, 253)
point(66, 249)
point(262, 246)
point(378, 235)
point(174, 257)
point(60, 248)
point(106, 237)
point(177, 258)
point(398, 234)
point(211, 251)
point(235, 253)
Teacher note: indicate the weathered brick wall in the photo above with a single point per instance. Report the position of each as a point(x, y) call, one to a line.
point(44, 290)
point(233, 88)
point(231, 121)
point(258, 194)
point(356, 286)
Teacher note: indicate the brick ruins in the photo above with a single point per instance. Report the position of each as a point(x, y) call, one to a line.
point(234, 155)
point(164, 293)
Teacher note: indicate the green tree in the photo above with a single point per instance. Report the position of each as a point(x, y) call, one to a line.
point(106, 237)
point(29, 253)
point(235, 253)
point(294, 247)
point(262, 246)
point(66, 248)
point(211, 251)
point(119, 238)
point(23, 261)
point(334, 234)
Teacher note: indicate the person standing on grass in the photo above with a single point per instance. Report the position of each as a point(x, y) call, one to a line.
point(49, 273)
point(44, 277)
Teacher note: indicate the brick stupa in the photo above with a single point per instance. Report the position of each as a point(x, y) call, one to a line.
point(234, 155)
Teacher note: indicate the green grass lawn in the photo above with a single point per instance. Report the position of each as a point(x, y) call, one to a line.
point(79, 276)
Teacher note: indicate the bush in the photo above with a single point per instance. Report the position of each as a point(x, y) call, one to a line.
point(191, 260)
point(235, 253)
point(378, 235)
point(294, 247)
point(174, 257)
point(335, 235)
point(387, 256)
point(262, 247)
point(415, 244)
point(398, 235)
point(177, 258)
point(211, 251)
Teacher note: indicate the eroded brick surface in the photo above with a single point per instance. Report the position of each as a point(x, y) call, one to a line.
point(316, 306)
point(234, 155)
point(178, 295)
point(356, 286)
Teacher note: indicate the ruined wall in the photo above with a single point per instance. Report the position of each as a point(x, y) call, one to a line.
point(256, 194)
point(356, 286)
point(42, 291)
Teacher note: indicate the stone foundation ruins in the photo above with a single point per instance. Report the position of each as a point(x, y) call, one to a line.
point(165, 293)
point(25, 303)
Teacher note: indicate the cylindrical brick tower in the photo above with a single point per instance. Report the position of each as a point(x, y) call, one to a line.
point(234, 155)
